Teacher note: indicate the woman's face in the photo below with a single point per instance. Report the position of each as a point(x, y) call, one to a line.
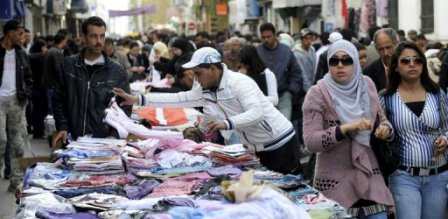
point(176, 51)
point(410, 65)
point(341, 67)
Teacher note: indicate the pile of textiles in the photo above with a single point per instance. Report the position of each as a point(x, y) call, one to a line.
point(231, 154)
point(96, 156)
point(164, 179)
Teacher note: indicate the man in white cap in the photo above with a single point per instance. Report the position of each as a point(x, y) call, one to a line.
point(233, 101)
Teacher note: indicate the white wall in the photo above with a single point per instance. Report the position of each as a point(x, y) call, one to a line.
point(409, 15)
point(440, 20)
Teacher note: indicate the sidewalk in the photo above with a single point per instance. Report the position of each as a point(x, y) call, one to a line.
point(7, 201)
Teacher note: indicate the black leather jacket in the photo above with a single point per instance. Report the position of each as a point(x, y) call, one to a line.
point(80, 98)
point(24, 79)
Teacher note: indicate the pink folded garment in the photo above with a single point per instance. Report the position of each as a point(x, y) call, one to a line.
point(182, 185)
point(101, 180)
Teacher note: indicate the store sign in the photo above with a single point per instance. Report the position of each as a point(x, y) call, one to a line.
point(221, 9)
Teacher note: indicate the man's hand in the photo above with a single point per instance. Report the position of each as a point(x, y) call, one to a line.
point(128, 99)
point(60, 136)
point(216, 126)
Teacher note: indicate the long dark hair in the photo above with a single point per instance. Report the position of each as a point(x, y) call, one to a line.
point(394, 76)
point(250, 57)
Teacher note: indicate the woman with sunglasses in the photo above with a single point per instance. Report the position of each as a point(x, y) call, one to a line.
point(417, 110)
point(338, 113)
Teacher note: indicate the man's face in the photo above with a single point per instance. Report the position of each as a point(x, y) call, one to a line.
point(109, 49)
point(385, 47)
point(95, 38)
point(268, 38)
point(207, 77)
point(17, 36)
point(307, 41)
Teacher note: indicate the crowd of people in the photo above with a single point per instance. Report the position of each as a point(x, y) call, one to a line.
point(333, 96)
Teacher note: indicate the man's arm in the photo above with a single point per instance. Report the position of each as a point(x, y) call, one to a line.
point(247, 92)
point(191, 98)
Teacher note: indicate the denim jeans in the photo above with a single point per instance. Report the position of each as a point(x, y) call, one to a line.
point(285, 104)
point(419, 197)
point(382, 215)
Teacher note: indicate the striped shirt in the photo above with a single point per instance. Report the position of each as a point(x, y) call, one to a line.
point(416, 134)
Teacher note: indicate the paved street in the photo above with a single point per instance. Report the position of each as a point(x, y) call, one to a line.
point(7, 200)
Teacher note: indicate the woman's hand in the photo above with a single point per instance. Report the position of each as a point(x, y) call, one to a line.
point(127, 98)
point(441, 144)
point(356, 126)
point(383, 131)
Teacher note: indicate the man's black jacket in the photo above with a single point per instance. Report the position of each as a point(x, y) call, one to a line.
point(377, 73)
point(81, 96)
point(24, 79)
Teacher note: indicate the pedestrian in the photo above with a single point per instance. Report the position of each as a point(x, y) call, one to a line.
point(338, 116)
point(233, 101)
point(83, 89)
point(139, 63)
point(385, 39)
point(280, 60)
point(15, 90)
point(417, 110)
point(38, 55)
point(306, 57)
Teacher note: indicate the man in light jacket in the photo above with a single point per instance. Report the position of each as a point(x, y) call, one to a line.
point(233, 101)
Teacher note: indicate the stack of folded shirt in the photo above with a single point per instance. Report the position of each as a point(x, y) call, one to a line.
point(231, 154)
point(96, 156)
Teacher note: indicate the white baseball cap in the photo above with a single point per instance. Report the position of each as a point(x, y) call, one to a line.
point(204, 55)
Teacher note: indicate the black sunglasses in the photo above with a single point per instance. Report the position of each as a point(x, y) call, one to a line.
point(345, 61)
point(408, 60)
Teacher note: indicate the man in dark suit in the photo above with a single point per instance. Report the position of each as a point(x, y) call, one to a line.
point(385, 39)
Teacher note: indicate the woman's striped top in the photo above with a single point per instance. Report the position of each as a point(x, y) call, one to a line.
point(416, 134)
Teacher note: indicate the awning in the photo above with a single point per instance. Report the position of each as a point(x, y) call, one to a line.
point(6, 9)
point(10, 9)
point(278, 4)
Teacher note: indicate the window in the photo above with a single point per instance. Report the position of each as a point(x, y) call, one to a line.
point(427, 16)
point(393, 13)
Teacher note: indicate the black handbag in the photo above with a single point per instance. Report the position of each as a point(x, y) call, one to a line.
point(386, 152)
